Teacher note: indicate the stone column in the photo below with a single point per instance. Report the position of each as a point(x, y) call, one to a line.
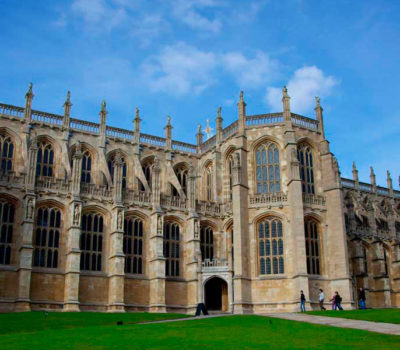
point(73, 254)
point(241, 278)
point(116, 261)
point(192, 254)
point(73, 231)
point(25, 255)
point(156, 260)
point(381, 293)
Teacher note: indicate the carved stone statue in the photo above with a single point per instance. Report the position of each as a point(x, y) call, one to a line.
point(119, 220)
point(77, 214)
point(29, 209)
point(159, 224)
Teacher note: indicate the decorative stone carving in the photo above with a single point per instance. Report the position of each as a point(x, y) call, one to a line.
point(77, 215)
point(30, 207)
point(120, 220)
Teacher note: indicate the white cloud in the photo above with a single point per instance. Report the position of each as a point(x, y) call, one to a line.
point(250, 72)
point(306, 83)
point(179, 69)
point(190, 13)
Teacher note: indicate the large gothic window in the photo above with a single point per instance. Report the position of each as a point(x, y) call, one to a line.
point(147, 174)
point(111, 166)
point(171, 249)
point(305, 157)
point(133, 245)
point(7, 212)
point(270, 243)
point(208, 183)
point(230, 175)
point(207, 242)
point(46, 238)
point(86, 167)
point(45, 160)
point(267, 172)
point(181, 173)
point(91, 242)
point(6, 153)
point(312, 246)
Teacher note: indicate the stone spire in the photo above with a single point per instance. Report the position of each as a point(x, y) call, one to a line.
point(318, 114)
point(28, 103)
point(242, 113)
point(355, 175)
point(372, 178)
point(286, 104)
point(136, 126)
point(389, 182)
point(168, 133)
point(103, 116)
point(218, 124)
point(67, 110)
point(199, 138)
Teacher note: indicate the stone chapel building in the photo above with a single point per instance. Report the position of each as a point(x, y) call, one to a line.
point(94, 217)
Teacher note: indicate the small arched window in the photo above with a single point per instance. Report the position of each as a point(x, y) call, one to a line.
point(7, 211)
point(86, 167)
point(6, 153)
point(305, 157)
point(111, 166)
point(46, 238)
point(147, 174)
point(270, 246)
point(181, 173)
point(267, 168)
point(91, 242)
point(133, 245)
point(207, 242)
point(208, 182)
point(45, 160)
point(172, 249)
point(312, 246)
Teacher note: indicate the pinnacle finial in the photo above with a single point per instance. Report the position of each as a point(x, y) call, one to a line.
point(30, 90)
point(219, 112)
point(137, 113)
point(371, 171)
point(317, 102)
point(354, 166)
point(199, 128)
point(168, 120)
point(68, 98)
point(241, 96)
point(285, 91)
point(388, 175)
point(103, 106)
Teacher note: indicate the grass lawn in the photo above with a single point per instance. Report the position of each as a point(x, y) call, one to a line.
point(376, 315)
point(237, 332)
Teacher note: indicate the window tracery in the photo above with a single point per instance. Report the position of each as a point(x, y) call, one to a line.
point(267, 168)
point(171, 249)
point(305, 157)
point(6, 154)
point(45, 160)
point(91, 242)
point(7, 211)
point(312, 246)
point(133, 245)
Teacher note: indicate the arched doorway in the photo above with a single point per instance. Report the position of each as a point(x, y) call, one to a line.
point(216, 294)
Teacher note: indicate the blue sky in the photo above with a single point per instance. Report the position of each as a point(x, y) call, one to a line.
point(186, 58)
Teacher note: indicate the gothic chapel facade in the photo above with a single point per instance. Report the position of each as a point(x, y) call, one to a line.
point(94, 217)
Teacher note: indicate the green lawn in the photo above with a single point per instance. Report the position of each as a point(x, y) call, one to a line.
point(237, 332)
point(376, 315)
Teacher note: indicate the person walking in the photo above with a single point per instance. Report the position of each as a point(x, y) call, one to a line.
point(321, 299)
point(302, 302)
point(333, 302)
point(361, 298)
point(338, 300)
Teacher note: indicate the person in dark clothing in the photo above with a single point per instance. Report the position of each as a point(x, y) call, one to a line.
point(361, 298)
point(302, 302)
point(338, 300)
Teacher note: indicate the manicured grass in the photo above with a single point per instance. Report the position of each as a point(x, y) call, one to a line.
point(375, 315)
point(232, 332)
point(39, 321)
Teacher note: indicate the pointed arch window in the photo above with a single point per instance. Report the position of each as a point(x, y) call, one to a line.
point(91, 242)
point(111, 166)
point(207, 242)
point(208, 183)
point(181, 173)
point(6, 154)
point(46, 238)
point(267, 168)
point(7, 211)
point(312, 246)
point(171, 249)
point(133, 245)
point(147, 174)
point(305, 157)
point(86, 167)
point(270, 247)
point(230, 175)
point(45, 160)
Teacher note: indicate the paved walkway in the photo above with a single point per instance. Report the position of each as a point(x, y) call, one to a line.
point(379, 327)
